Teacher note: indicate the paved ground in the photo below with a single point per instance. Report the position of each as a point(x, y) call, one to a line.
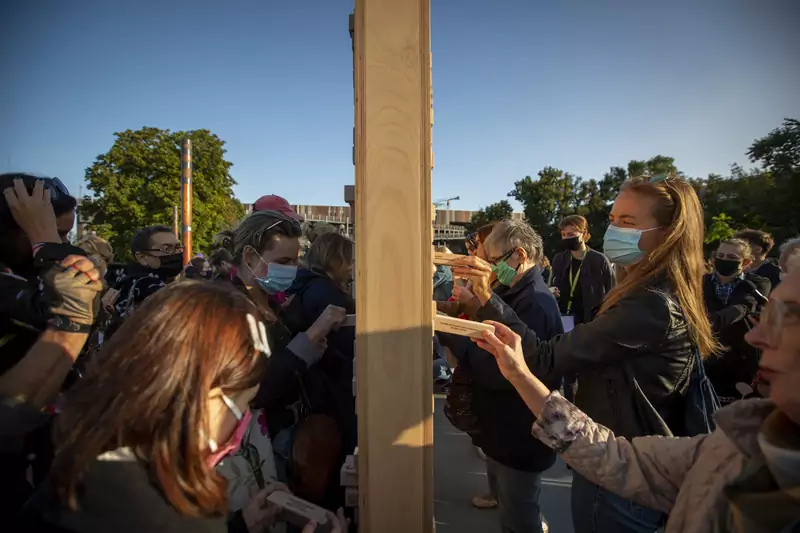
point(460, 474)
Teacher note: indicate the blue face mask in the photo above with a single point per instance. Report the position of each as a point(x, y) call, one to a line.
point(279, 277)
point(621, 245)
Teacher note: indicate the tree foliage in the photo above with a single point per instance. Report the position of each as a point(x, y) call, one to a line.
point(719, 230)
point(138, 181)
point(497, 211)
point(765, 198)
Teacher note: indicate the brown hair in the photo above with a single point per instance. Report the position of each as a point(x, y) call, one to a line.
point(679, 258)
point(580, 223)
point(761, 239)
point(544, 262)
point(97, 247)
point(741, 244)
point(148, 390)
point(330, 251)
point(220, 256)
point(258, 230)
point(198, 262)
point(483, 232)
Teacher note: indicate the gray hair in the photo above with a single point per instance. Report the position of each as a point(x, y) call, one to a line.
point(794, 242)
point(515, 233)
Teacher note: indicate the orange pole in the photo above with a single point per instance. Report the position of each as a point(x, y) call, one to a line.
point(186, 199)
point(175, 228)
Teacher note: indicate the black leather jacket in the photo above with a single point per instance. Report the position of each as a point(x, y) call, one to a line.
point(634, 360)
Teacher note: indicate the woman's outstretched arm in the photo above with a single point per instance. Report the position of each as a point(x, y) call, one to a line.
point(648, 470)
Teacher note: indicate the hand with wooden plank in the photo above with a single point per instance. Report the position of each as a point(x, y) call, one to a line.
point(479, 272)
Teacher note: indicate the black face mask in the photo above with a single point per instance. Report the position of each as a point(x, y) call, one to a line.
point(171, 265)
point(572, 243)
point(727, 267)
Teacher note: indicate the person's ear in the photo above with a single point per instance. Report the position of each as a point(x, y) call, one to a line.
point(523, 257)
point(249, 256)
point(746, 262)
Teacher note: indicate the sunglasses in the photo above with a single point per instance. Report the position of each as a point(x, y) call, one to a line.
point(56, 186)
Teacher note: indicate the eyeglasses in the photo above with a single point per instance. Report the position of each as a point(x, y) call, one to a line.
point(167, 249)
point(775, 316)
point(56, 186)
point(502, 257)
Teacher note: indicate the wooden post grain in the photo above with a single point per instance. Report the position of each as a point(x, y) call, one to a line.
point(393, 265)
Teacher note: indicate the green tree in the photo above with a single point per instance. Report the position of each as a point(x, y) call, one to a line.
point(138, 181)
point(546, 200)
point(497, 211)
point(778, 153)
point(719, 230)
point(659, 164)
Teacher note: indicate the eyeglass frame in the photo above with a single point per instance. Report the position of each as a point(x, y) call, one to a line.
point(503, 257)
point(179, 248)
point(54, 184)
point(775, 328)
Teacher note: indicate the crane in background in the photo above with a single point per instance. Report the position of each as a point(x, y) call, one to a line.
point(445, 202)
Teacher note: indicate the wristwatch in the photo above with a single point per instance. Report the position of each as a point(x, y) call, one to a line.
point(62, 323)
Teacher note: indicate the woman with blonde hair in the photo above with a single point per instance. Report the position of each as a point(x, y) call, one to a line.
point(636, 361)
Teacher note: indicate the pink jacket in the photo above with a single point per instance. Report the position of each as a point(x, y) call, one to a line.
point(684, 477)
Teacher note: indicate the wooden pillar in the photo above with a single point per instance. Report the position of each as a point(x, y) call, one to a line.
point(393, 266)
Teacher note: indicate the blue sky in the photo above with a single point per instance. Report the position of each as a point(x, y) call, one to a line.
point(518, 85)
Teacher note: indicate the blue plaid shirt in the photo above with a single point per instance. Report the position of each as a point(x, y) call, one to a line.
point(724, 290)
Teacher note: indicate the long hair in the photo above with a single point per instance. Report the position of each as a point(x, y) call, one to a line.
point(148, 390)
point(679, 258)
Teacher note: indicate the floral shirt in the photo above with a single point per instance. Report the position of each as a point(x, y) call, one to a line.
point(252, 466)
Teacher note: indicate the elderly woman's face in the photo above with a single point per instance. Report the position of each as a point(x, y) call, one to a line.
point(778, 335)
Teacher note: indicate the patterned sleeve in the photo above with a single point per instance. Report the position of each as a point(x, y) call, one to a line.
point(647, 470)
point(559, 423)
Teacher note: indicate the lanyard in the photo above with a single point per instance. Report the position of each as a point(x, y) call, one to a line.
point(573, 282)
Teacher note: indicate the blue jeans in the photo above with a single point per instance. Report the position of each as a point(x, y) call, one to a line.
point(596, 510)
point(517, 494)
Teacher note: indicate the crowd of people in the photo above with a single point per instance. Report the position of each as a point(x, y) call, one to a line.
point(156, 395)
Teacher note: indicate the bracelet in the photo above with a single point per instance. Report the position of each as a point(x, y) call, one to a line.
point(36, 247)
point(62, 323)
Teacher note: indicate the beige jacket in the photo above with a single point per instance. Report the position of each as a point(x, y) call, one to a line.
point(684, 477)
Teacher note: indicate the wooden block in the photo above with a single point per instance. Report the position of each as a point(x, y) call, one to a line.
point(299, 512)
point(348, 475)
point(458, 326)
point(351, 497)
point(441, 258)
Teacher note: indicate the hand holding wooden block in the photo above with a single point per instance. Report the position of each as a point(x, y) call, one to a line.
point(441, 258)
point(457, 326)
point(299, 512)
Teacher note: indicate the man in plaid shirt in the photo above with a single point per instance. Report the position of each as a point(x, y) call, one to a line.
point(732, 297)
